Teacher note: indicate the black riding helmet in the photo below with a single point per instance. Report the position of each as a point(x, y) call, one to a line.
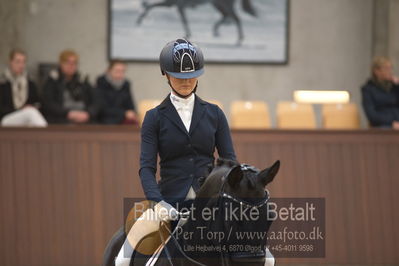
point(181, 59)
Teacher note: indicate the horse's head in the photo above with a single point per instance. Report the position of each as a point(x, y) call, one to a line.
point(247, 182)
point(240, 180)
point(239, 193)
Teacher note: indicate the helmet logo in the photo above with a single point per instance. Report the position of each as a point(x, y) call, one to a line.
point(186, 63)
point(185, 55)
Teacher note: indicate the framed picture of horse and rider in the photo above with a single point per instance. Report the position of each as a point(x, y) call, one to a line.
point(229, 31)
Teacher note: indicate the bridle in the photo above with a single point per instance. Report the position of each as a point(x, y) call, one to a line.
point(245, 204)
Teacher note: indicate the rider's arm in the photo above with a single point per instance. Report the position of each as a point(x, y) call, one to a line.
point(148, 156)
point(224, 143)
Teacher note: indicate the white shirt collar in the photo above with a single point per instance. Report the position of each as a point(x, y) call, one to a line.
point(181, 102)
point(184, 108)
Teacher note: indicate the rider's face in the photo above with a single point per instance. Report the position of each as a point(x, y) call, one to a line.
point(183, 86)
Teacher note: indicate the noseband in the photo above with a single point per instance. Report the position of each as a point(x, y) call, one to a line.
point(246, 204)
point(243, 203)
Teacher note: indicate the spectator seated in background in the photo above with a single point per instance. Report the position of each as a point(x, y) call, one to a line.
point(381, 95)
point(114, 90)
point(67, 97)
point(18, 95)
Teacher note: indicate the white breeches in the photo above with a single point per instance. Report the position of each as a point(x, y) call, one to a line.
point(270, 261)
point(28, 116)
point(124, 255)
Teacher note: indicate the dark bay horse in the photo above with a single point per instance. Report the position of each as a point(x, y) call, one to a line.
point(225, 237)
point(225, 7)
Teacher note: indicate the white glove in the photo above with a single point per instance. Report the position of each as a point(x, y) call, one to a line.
point(165, 211)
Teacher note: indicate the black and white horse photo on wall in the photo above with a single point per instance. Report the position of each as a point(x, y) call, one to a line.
point(226, 8)
point(231, 31)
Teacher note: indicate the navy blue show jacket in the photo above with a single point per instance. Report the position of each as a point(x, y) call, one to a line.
point(184, 156)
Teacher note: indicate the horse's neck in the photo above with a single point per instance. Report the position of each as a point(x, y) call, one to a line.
point(209, 190)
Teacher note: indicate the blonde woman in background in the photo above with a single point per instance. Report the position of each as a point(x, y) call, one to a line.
point(380, 95)
point(68, 98)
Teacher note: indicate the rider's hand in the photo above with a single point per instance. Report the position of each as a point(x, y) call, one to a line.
point(165, 211)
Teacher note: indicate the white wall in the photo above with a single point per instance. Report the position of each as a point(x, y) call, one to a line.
point(330, 47)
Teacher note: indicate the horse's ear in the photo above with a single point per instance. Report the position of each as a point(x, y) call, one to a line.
point(235, 176)
point(267, 175)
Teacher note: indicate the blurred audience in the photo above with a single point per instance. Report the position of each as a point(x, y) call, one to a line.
point(19, 98)
point(67, 96)
point(380, 95)
point(114, 89)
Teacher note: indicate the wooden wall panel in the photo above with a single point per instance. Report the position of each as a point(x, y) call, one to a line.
point(357, 173)
point(62, 189)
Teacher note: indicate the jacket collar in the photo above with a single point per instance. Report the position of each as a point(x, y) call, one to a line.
point(170, 112)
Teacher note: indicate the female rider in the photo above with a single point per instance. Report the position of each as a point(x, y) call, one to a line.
point(183, 130)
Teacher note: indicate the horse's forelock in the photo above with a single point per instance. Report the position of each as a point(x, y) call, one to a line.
point(251, 177)
point(213, 180)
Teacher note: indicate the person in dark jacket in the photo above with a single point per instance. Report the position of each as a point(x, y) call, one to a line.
point(183, 130)
point(114, 89)
point(19, 98)
point(380, 95)
point(67, 96)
